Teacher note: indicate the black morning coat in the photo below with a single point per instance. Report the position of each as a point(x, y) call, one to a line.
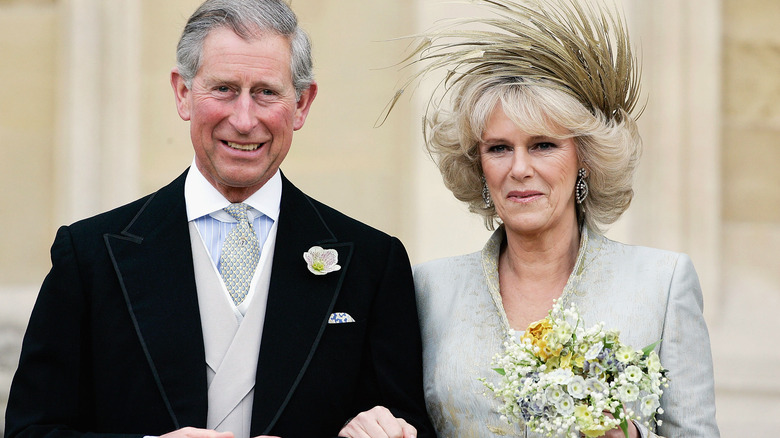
point(114, 346)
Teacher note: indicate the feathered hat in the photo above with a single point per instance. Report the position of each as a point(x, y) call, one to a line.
point(581, 49)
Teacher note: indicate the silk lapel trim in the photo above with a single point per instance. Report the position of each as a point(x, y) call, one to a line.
point(299, 304)
point(154, 268)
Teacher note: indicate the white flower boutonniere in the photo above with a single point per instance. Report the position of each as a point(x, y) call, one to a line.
point(321, 261)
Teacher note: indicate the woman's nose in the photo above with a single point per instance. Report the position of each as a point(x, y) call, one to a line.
point(521, 164)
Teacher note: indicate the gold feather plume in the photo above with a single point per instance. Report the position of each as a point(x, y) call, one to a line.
point(580, 49)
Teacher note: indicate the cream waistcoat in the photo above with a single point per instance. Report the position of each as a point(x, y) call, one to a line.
point(232, 343)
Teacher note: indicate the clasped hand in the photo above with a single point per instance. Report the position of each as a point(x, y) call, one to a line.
point(192, 432)
point(377, 422)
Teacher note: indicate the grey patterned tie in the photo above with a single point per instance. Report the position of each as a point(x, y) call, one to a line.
point(240, 254)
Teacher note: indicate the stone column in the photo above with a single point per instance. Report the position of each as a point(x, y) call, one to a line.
point(677, 203)
point(98, 109)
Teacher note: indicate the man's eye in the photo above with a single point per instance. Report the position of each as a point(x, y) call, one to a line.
point(223, 89)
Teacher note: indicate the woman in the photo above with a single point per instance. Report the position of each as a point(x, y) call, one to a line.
point(540, 139)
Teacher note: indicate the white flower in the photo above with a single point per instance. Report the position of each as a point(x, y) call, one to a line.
point(653, 362)
point(625, 354)
point(649, 404)
point(563, 332)
point(576, 387)
point(321, 261)
point(628, 392)
point(554, 393)
point(594, 350)
point(538, 403)
point(565, 405)
point(561, 376)
point(595, 385)
point(633, 373)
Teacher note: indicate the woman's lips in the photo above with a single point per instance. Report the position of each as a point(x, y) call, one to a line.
point(525, 195)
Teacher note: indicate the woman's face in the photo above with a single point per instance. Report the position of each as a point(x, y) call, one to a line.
point(531, 178)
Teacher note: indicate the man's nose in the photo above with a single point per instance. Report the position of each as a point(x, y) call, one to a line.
point(244, 117)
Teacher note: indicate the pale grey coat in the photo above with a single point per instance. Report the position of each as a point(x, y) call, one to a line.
point(647, 294)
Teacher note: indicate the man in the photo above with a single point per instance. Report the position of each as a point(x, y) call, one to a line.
point(228, 300)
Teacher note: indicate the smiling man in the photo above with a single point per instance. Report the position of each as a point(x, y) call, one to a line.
point(243, 109)
point(205, 309)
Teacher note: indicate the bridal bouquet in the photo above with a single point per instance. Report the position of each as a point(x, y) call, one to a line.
point(562, 378)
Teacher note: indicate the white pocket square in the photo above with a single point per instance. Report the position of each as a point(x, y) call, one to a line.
point(340, 318)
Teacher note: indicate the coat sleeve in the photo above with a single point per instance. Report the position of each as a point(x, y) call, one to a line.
point(689, 401)
point(395, 344)
point(47, 392)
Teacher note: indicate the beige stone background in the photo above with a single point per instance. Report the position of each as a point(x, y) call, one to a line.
point(87, 122)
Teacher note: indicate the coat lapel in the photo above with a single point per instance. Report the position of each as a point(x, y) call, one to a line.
point(299, 304)
point(153, 262)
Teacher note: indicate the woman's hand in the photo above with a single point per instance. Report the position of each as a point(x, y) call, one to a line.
point(633, 432)
point(192, 432)
point(378, 422)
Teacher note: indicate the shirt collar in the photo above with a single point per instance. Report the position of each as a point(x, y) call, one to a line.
point(202, 198)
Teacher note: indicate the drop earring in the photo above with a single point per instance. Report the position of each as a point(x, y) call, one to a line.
point(486, 193)
point(581, 188)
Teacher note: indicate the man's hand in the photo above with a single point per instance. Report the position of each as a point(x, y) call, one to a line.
point(378, 422)
point(191, 432)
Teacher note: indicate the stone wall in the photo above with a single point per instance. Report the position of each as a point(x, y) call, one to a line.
point(27, 126)
point(744, 345)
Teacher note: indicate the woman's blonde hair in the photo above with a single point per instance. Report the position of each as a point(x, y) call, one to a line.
point(608, 148)
point(550, 64)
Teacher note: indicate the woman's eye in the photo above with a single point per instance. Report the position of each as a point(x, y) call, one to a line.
point(498, 148)
point(545, 146)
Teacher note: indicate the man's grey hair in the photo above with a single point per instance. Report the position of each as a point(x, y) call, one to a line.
point(248, 19)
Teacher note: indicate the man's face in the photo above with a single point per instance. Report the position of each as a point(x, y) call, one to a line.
point(242, 110)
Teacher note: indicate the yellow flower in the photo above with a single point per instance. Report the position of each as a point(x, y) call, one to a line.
point(538, 330)
point(537, 334)
point(566, 361)
point(544, 351)
point(583, 415)
point(595, 430)
point(587, 424)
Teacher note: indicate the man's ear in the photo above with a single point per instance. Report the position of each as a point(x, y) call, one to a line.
point(303, 105)
point(181, 93)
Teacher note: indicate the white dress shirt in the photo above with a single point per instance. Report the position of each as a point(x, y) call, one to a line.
point(205, 207)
